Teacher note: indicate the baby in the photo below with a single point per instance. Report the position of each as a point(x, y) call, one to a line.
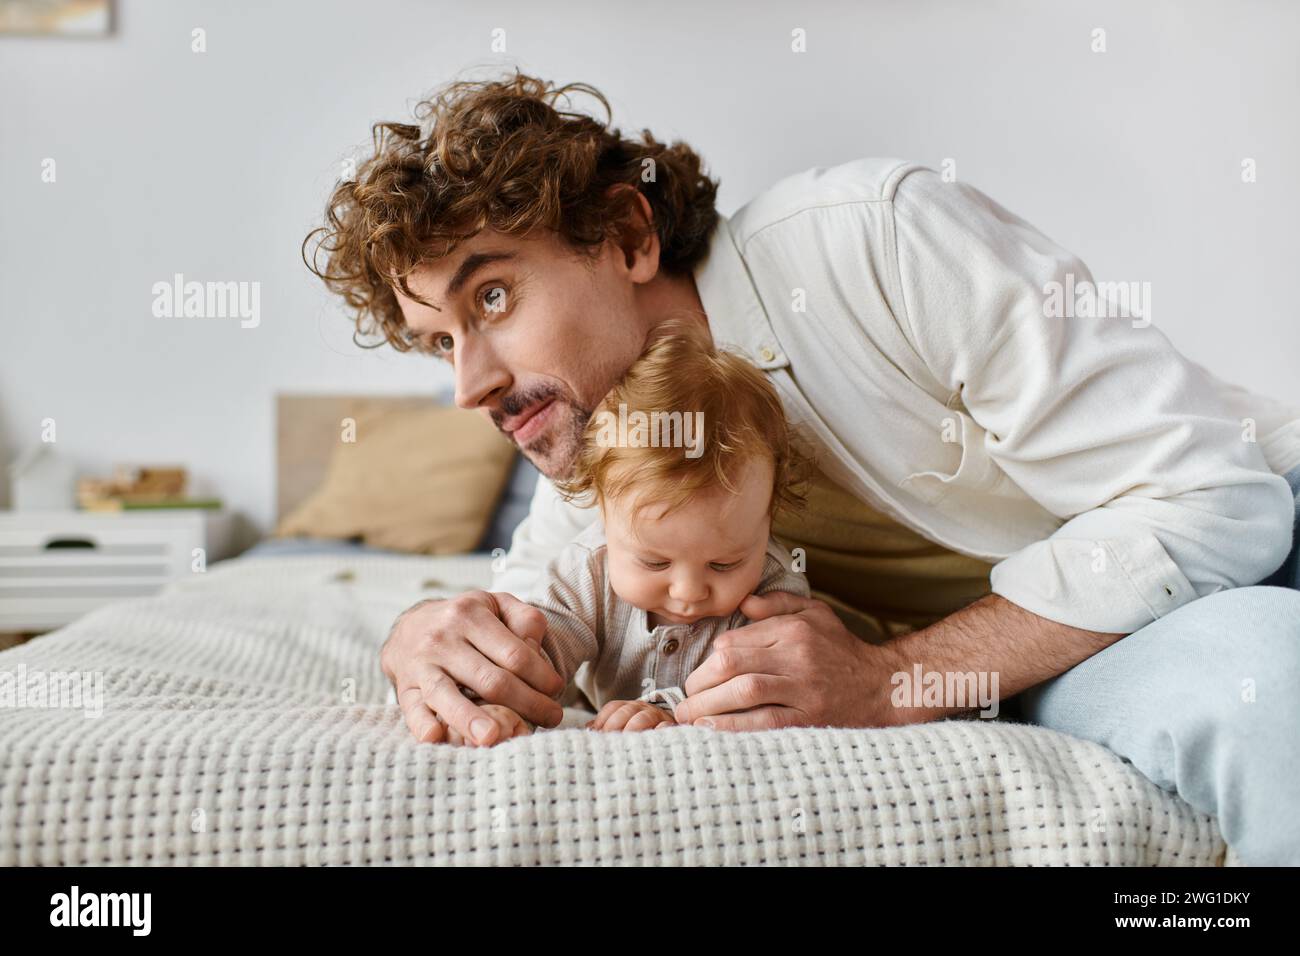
point(688, 459)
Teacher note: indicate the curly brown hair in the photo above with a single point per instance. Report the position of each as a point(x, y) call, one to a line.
point(499, 154)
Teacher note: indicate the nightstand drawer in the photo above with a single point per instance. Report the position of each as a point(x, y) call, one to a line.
point(56, 566)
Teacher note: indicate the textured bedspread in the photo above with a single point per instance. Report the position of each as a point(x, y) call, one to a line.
point(244, 720)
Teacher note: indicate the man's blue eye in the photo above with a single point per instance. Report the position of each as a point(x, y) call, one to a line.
point(440, 344)
point(493, 298)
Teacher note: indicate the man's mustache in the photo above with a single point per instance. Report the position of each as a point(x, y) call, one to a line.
point(518, 402)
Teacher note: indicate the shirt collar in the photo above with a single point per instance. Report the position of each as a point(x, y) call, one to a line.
point(737, 318)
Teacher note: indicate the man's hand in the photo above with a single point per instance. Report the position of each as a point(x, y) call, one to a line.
point(630, 715)
point(487, 642)
point(796, 665)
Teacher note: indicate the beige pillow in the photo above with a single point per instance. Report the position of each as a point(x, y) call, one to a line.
point(423, 481)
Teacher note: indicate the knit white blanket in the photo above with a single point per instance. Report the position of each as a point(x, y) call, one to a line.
point(243, 719)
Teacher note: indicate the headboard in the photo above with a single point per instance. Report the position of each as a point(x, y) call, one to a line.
point(307, 431)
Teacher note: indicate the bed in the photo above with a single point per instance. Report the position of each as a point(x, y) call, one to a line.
point(244, 720)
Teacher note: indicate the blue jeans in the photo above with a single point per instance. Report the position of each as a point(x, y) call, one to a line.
point(1204, 701)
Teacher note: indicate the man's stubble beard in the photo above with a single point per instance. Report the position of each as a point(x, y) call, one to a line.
point(555, 455)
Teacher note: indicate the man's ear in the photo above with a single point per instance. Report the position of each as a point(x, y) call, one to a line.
point(637, 237)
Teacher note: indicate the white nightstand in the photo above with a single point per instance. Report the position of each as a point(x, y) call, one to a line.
point(57, 565)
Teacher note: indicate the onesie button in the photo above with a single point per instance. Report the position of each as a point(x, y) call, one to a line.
point(767, 353)
point(670, 645)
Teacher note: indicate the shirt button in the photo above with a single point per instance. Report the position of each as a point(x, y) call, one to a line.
point(670, 645)
point(766, 354)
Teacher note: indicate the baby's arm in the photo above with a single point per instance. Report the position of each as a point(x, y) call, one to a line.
point(574, 618)
point(571, 600)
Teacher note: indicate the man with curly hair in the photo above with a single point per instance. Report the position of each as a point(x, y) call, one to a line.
point(1061, 500)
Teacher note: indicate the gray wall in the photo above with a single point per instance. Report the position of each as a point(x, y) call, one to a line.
point(215, 165)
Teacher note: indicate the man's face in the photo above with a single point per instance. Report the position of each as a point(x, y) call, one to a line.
point(537, 336)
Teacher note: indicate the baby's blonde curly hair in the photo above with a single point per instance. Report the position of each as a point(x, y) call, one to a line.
point(682, 371)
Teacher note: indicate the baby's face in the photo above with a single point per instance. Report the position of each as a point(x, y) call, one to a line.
point(701, 560)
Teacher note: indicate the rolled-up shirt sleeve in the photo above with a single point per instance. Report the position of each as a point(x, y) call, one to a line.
point(1099, 419)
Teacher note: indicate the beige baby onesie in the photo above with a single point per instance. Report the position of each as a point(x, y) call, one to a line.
point(587, 623)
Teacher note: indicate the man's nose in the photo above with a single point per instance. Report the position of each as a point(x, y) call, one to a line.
point(478, 374)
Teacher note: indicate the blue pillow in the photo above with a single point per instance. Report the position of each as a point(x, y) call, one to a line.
point(512, 508)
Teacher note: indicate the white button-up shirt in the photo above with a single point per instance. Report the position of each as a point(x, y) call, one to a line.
point(902, 319)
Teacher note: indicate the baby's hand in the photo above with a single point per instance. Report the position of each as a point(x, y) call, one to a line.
point(511, 724)
point(630, 715)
